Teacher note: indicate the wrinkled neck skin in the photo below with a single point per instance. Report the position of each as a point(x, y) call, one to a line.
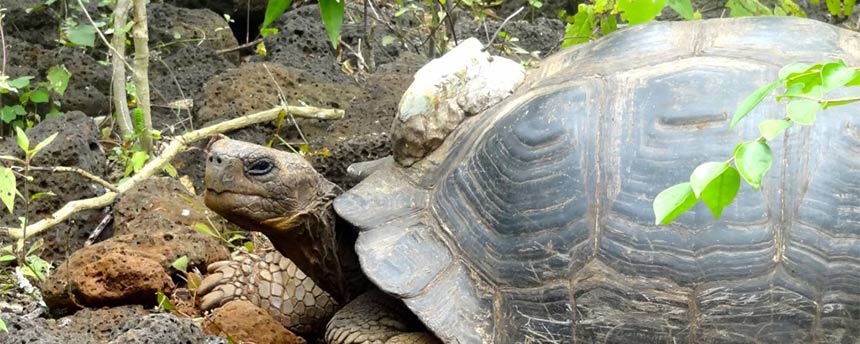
point(311, 239)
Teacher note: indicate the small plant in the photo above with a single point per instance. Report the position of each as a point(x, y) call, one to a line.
point(36, 267)
point(837, 8)
point(331, 12)
point(509, 46)
point(8, 191)
point(33, 98)
point(716, 183)
point(602, 17)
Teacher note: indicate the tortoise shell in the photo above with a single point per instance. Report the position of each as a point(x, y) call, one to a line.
point(533, 221)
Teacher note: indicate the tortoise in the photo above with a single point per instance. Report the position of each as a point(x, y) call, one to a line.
point(532, 221)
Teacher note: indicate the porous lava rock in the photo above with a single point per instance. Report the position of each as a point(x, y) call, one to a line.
point(76, 145)
point(171, 28)
point(154, 227)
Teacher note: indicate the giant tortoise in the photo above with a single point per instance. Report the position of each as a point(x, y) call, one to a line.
point(532, 221)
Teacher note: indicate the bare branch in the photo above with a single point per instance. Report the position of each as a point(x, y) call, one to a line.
point(79, 171)
point(176, 145)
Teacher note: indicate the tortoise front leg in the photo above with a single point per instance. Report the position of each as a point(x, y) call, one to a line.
point(274, 284)
point(375, 318)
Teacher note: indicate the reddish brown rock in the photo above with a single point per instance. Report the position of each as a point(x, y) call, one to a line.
point(243, 321)
point(106, 274)
point(154, 227)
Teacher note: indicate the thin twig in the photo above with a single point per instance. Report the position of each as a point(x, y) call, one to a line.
point(240, 47)
point(101, 227)
point(181, 94)
point(3, 40)
point(450, 20)
point(282, 96)
point(79, 171)
point(391, 29)
point(176, 145)
point(490, 43)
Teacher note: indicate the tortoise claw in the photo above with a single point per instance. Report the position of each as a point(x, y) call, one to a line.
point(211, 300)
point(210, 282)
point(216, 265)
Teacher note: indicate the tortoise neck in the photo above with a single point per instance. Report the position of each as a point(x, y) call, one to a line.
point(313, 244)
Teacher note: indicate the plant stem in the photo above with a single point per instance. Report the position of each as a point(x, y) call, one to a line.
point(120, 99)
point(141, 68)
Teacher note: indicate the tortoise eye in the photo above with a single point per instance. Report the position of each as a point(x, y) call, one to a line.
point(261, 167)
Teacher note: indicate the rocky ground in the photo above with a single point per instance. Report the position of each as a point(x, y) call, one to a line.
point(105, 291)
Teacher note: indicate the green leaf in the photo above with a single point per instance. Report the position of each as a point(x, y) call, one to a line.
point(163, 302)
point(834, 7)
point(3, 326)
point(753, 160)
point(39, 96)
point(10, 113)
point(268, 31)
point(793, 69)
point(39, 195)
point(704, 174)
point(771, 128)
point(848, 7)
point(53, 113)
point(123, 30)
point(138, 159)
point(22, 139)
point(684, 8)
point(274, 9)
point(332, 16)
point(721, 190)
point(43, 144)
point(204, 229)
point(673, 202)
point(180, 264)
point(7, 188)
point(802, 111)
point(751, 102)
point(59, 76)
point(793, 9)
point(744, 8)
point(808, 84)
point(170, 170)
point(387, 40)
point(83, 35)
point(7, 258)
point(640, 11)
point(21, 82)
point(835, 75)
point(608, 25)
point(579, 31)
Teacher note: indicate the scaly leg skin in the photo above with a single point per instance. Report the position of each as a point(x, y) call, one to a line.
point(376, 318)
point(274, 284)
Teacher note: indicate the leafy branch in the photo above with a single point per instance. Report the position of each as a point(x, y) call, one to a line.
point(716, 183)
point(176, 145)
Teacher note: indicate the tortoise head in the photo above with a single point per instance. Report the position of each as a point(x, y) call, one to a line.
point(263, 189)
